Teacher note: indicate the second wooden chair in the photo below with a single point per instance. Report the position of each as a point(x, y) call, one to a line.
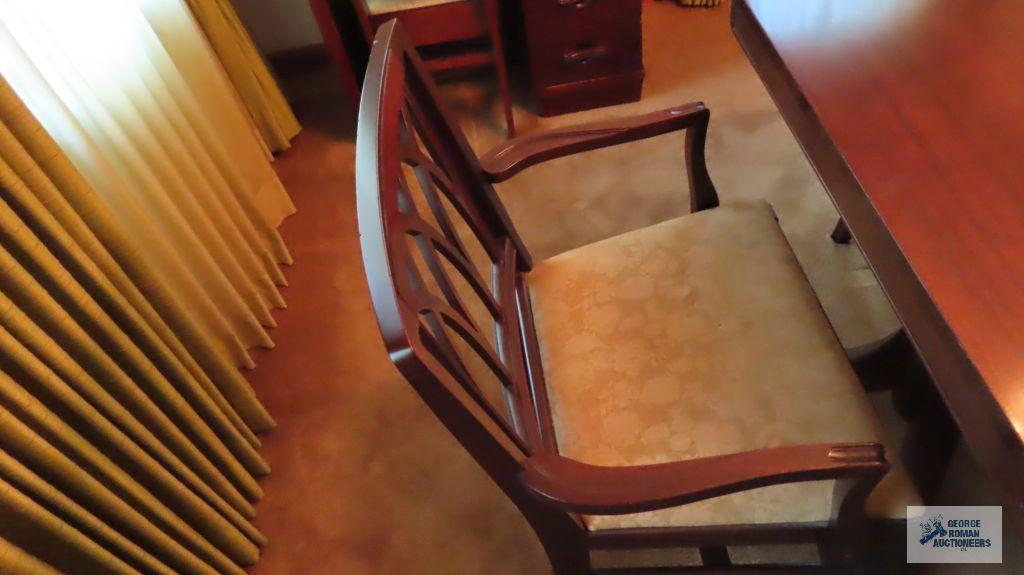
point(450, 35)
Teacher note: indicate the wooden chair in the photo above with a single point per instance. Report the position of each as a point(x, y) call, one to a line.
point(450, 34)
point(673, 387)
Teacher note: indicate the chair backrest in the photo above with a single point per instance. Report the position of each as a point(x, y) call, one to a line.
point(444, 263)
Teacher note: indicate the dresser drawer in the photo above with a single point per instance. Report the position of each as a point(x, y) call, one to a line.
point(583, 58)
point(584, 53)
point(572, 40)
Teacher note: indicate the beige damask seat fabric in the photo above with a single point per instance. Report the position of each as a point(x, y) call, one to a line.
point(382, 6)
point(694, 337)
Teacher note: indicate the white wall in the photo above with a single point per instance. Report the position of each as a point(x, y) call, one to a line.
point(277, 25)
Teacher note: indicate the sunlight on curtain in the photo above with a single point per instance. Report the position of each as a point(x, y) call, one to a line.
point(134, 95)
point(248, 71)
point(126, 446)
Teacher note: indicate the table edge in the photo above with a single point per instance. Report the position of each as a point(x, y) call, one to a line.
point(955, 375)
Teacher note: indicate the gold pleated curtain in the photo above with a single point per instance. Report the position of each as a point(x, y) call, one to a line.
point(248, 72)
point(122, 444)
point(138, 262)
point(135, 95)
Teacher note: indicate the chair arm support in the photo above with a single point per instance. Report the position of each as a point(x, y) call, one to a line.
point(581, 488)
point(515, 155)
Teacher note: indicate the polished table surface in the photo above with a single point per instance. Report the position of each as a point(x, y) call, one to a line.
point(912, 112)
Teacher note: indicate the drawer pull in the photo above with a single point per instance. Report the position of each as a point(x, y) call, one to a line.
point(584, 56)
point(575, 3)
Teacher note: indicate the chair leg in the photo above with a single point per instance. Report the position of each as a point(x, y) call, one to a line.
point(932, 436)
point(882, 363)
point(715, 556)
point(841, 233)
point(510, 121)
point(847, 542)
point(562, 537)
point(498, 51)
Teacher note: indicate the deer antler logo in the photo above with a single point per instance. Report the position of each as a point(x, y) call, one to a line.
point(931, 529)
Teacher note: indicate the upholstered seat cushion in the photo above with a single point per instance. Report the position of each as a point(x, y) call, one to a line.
point(383, 6)
point(694, 337)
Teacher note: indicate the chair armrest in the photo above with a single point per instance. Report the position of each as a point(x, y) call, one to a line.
point(581, 488)
point(515, 155)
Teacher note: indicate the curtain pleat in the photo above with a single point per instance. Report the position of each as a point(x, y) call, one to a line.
point(28, 344)
point(32, 526)
point(135, 382)
point(159, 132)
point(21, 175)
point(47, 268)
point(241, 153)
point(164, 474)
point(103, 241)
point(18, 562)
point(128, 437)
point(248, 71)
point(128, 528)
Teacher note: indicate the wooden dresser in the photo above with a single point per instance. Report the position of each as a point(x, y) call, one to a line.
point(584, 53)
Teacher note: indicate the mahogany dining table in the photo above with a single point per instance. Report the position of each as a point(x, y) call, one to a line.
point(912, 114)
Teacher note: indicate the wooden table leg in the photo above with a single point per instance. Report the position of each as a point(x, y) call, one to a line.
point(932, 435)
point(883, 364)
point(928, 448)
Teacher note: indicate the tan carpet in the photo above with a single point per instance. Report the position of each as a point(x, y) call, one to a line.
point(365, 480)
